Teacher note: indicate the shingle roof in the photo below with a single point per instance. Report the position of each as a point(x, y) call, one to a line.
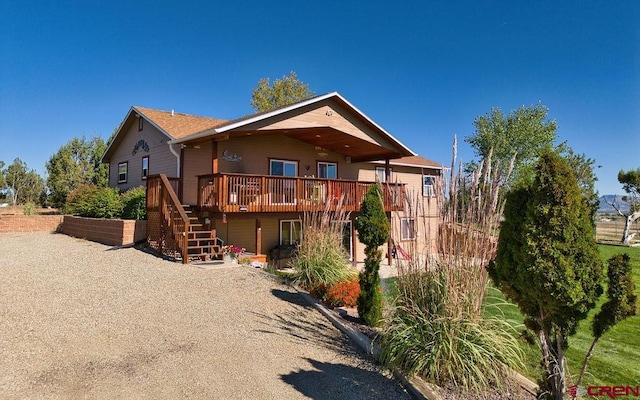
point(179, 125)
point(416, 161)
point(413, 161)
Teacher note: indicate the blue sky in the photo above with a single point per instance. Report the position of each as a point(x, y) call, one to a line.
point(423, 70)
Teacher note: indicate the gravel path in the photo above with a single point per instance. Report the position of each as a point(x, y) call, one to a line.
point(86, 321)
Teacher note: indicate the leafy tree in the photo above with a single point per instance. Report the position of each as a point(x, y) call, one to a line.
point(630, 181)
point(547, 261)
point(3, 182)
point(524, 132)
point(582, 167)
point(22, 184)
point(285, 91)
point(373, 230)
point(76, 163)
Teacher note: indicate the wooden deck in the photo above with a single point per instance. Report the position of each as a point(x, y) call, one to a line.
point(263, 193)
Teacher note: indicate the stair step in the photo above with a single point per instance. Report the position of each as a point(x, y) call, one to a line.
point(202, 242)
point(214, 249)
point(201, 235)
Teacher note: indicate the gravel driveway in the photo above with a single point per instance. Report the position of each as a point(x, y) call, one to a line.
point(86, 321)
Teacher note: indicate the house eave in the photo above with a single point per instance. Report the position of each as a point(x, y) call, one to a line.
point(404, 150)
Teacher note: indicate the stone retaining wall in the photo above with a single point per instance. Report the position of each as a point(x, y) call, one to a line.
point(113, 232)
point(29, 223)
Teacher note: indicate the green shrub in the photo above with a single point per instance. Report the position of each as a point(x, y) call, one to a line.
point(91, 201)
point(373, 230)
point(78, 201)
point(134, 204)
point(29, 208)
point(106, 204)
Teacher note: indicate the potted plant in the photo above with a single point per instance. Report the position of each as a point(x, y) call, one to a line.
point(231, 253)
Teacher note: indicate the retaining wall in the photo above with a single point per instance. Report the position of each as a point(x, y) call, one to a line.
point(113, 232)
point(29, 223)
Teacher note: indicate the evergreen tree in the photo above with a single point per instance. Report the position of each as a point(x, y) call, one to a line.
point(373, 230)
point(76, 163)
point(547, 260)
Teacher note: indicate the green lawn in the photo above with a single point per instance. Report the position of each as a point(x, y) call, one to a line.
point(617, 355)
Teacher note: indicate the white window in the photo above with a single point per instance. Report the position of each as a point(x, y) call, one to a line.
point(283, 168)
point(290, 231)
point(327, 170)
point(145, 167)
point(283, 191)
point(381, 175)
point(122, 172)
point(407, 228)
point(427, 185)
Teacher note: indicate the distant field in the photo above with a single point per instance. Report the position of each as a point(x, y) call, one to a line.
point(17, 210)
point(610, 229)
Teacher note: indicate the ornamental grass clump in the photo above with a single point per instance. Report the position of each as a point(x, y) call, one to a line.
point(321, 259)
point(436, 328)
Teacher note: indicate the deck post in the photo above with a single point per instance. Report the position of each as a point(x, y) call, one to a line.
point(387, 180)
point(258, 237)
point(214, 157)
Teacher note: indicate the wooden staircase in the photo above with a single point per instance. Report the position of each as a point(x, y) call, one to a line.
point(203, 244)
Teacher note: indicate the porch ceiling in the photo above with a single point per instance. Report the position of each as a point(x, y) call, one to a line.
point(336, 141)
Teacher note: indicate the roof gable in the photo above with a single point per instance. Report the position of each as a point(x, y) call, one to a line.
point(170, 123)
point(310, 121)
point(178, 125)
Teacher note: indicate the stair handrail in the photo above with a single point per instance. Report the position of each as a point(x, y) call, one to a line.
point(175, 216)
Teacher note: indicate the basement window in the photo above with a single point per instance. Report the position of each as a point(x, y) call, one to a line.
point(407, 228)
point(290, 231)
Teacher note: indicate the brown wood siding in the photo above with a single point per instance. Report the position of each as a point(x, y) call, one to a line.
point(257, 150)
point(160, 158)
point(196, 161)
point(270, 234)
point(325, 114)
point(242, 232)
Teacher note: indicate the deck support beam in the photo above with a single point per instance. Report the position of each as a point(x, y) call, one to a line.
point(258, 237)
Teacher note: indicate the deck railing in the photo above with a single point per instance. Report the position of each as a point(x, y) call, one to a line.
point(168, 224)
point(263, 193)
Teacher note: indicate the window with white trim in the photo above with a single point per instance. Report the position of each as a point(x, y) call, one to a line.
point(283, 167)
point(145, 167)
point(290, 231)
point(327, 170)
point(407, 228)
point(381, 174)
point(427, 185)
point(122, 172)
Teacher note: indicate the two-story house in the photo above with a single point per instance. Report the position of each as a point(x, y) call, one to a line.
point(248, 181)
